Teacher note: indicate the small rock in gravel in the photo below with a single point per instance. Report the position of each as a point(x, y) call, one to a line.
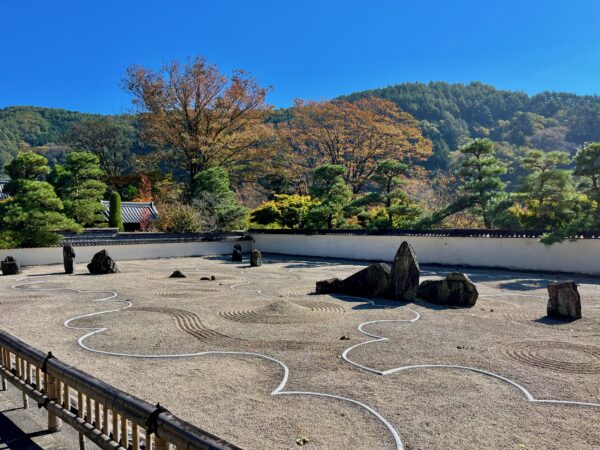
point(302, 440)
point(344, 338)
point(177, 274)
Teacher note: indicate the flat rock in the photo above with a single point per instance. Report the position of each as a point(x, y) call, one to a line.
point(255, 258)
point(372, 281)
point(564, 301)
point(102, 264)
point(329, 286)
point(177, 274)
point(10, 266)
point(456, 290)
point(404, 280)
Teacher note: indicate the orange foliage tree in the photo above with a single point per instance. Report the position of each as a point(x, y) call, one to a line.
point(207, 118)
point(356, 135)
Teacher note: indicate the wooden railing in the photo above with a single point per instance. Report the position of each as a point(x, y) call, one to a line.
point(99, 412)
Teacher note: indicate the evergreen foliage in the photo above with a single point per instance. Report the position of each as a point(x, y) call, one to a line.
point(115, 213)
point(79, 185)
point(216, 202)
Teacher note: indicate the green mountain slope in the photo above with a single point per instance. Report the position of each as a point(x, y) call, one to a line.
point(450, 114)
point(22, 127)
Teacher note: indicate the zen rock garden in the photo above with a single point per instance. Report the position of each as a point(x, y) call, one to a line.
point(396, 337)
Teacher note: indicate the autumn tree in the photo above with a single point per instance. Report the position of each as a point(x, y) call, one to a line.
point(109, 138)
point(205, 117)
point(354, 135)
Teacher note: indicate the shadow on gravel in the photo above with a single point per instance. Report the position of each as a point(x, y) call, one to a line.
point(553, 321)
point(12, 437)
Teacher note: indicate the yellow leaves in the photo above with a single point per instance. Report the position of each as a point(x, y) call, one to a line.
point(354, 134)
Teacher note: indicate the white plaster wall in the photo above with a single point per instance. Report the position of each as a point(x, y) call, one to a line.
point(580, 256)
point(53, 255)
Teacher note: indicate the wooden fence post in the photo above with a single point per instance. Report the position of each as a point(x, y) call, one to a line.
point(54, 423)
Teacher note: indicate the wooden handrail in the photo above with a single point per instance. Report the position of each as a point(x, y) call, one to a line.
point(58, 386)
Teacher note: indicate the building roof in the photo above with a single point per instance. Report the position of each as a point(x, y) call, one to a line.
point(3, 195)
point(135, 212)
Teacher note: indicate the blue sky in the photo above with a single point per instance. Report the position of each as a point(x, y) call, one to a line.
point(73, 54)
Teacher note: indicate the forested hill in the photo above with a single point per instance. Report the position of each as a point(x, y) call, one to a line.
point(22, 127)
point(450, 114)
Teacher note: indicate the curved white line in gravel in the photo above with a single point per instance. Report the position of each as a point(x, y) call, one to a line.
point(277, 391)
point(377, 338)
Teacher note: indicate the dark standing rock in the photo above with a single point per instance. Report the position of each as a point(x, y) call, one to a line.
point(236, 256)
point(255, 258)
point(456, 290)
point(102, 264)
point(404, 280)
point(69, 258)
point(177, 274)
point(330, 286)
point(564, 301)
point(10, 266)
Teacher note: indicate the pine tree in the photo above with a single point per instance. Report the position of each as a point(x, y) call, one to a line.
point(332, 196)
point(79, 185)
point(480, 171)
point(217, 203)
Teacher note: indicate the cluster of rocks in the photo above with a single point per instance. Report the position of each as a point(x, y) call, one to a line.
point(401, 282)
point(10, 266)
point(255, 256)
point(564, 301)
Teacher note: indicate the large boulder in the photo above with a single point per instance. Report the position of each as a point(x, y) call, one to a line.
point(10, 266)
point(564, 301)
point(102, 264)
point(456, 290)
point(236, 256)
point(255, 258)
point(405, 272)
point(69, 258)
point(177, 274)
point(372, 281)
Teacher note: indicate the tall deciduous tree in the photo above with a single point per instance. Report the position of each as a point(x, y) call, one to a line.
point(109, 138)
point(355, 135)
point(480, 171)
point(207, 118)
